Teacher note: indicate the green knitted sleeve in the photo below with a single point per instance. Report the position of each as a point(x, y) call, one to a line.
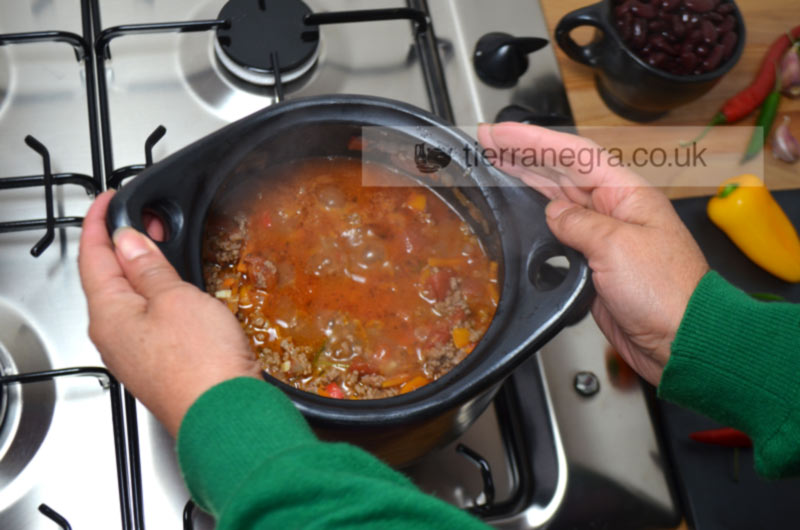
point(737, 360)
point(249, 459)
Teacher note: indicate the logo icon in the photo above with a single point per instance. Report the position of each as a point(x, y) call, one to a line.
point(430, 159)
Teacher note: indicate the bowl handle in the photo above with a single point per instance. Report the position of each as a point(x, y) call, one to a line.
point(592, 15)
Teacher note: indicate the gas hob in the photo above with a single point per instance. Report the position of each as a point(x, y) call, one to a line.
point(93, 91)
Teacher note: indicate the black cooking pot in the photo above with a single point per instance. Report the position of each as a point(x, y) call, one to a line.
point(536, 299)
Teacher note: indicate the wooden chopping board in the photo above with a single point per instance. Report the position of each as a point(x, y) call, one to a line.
point(765, 20)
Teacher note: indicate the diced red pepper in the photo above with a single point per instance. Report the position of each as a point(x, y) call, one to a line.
point(726, 437)
point(334, 391)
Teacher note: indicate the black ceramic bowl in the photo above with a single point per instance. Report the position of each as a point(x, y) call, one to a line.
point(629, 85)
point(535, 301)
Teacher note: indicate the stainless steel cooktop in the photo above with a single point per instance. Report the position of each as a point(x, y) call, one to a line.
point(57, 443)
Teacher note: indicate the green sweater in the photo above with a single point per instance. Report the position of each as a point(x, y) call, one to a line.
point(249, 458)
point(274, 473)
point(737, 360)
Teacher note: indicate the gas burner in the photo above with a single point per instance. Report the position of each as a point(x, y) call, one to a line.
point(5, 77)
point(26, 410)
point(3, 392)
point(259, 29)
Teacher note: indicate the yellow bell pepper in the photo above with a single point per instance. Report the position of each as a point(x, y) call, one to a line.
point(747, 212)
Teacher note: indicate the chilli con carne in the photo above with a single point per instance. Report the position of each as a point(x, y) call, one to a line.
point(349, 291)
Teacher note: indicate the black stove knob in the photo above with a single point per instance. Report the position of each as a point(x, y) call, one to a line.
point(545, 118)
point(500, 59)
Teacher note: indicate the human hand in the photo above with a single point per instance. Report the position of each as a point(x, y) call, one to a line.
point(164, 339)
point(645, 263)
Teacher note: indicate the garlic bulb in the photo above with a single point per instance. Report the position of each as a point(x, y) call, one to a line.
point(790, 71)
point(785, 146)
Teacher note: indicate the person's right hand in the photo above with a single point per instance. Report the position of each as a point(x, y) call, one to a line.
point(645, 263)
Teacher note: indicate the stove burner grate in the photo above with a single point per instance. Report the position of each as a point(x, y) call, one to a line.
point(256, 30)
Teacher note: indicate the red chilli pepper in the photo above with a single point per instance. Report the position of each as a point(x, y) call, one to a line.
point(751, 97)
point(725, 437)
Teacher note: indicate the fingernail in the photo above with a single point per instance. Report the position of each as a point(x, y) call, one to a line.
point(131, 243)
point(556, 208)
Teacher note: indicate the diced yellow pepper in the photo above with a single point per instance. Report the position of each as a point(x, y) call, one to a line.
point(395, 380)
point(414, 383)
point(460, 337)
point(445, 262)
point(417, 202)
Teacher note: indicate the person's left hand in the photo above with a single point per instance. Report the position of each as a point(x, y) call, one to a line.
point(164, 339)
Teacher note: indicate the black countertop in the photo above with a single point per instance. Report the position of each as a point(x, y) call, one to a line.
point(718, 486)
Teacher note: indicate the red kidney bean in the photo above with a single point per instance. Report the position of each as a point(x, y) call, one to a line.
point(662, 44)
point(643, 10)
point(699, 6)
point(623, 8)
point(638, 33)
point(727, 24)
point(670, 5)
point(625, 26)
point(714, 58)
point(657, 26)
point(695, 36)
point(678, 27)
point(725, 8)
point(709, 31)
point(728, 44)
point(688, 61)
point(715, 17)
point(657, 59)
point(627, 18)
point(623, 29)
point(702, 50)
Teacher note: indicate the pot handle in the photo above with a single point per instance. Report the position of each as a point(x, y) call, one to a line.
point(552, 275)
point(563, 281)
point(591, 15)
point(129, 204)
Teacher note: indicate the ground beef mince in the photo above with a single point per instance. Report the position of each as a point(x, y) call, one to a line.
point(261, 270)
point(347, 291)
